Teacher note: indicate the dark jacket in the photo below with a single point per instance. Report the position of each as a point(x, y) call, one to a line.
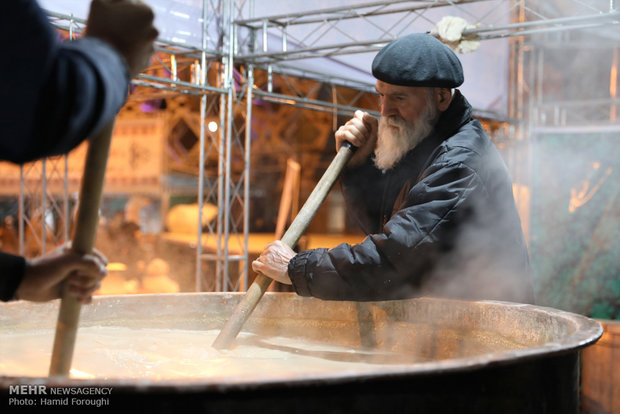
point(54, 95)
point(442, 222)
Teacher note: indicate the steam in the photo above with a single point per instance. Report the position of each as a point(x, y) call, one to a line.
point(575, 229)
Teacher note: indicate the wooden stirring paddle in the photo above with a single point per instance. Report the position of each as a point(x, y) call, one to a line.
point(83, 242)
point(258, 288)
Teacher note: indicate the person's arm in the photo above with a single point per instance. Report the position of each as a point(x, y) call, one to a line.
point(391, 264)
point(85, 88)
point(40, 279)
point(57, 94)
point(12, 270)
point(361, 132)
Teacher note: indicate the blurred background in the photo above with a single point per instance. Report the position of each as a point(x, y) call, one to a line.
point(226, 134)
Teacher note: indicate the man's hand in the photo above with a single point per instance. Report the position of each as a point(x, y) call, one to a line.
point(361, 131)
point(273, 262)
point(45, 275)
point(126, 25)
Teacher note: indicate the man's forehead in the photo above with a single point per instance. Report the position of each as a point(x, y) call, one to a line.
point(385, 88)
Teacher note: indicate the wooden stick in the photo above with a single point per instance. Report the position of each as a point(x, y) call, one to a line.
point(83, 242)
point(258, 288)
point(290, 189)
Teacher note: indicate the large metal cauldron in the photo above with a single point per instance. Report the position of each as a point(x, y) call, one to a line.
point(453, 356)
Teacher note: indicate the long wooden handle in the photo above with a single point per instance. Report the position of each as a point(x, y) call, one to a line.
point(83, 242)
point(258, 288)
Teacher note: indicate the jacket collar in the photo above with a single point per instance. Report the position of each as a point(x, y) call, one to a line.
point(458, 113)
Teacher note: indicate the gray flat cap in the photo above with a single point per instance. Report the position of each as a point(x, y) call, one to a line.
point(418, 59)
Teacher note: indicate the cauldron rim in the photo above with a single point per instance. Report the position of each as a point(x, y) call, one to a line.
point(587, 331)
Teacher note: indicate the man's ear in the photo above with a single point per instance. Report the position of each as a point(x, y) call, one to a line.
point(443, 98)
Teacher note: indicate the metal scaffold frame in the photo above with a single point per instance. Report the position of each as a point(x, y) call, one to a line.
point(525, 20)
point(245, 46)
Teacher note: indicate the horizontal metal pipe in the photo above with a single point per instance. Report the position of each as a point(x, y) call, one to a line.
point(290, 54)
point(311, 103)
point(274, 20)
point(198, 87)
point(545, 22)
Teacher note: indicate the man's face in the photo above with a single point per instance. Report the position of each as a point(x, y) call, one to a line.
point(408, 116)
point(404, 102)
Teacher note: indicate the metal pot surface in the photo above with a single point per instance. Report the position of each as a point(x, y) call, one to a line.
point(418, 355)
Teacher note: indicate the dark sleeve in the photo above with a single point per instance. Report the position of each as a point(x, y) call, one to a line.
point(12, 270)
point(391, 264)
point(59, 93)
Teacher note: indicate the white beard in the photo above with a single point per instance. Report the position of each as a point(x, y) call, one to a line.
point(394, 143)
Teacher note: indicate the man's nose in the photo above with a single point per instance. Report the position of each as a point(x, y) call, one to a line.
point(387, 109)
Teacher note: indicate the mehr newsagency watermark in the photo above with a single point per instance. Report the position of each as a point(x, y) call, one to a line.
point(46, 396)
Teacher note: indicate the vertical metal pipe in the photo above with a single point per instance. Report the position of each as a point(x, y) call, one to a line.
point(229, 125)
point(613, 86)
point(233, 49)
point(223, 182)
point(220, 181)
point(533, 119)
point(265, 50)
point(517, 110)
point(173, 67)
point(201, 181)
point(265, 36)
point(247, 156)
point(335, 110)
point(66, 211)
point(538, 79)
point(201, 79)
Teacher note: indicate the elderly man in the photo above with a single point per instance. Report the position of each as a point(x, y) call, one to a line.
point(55, 95)
point(428, 188)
